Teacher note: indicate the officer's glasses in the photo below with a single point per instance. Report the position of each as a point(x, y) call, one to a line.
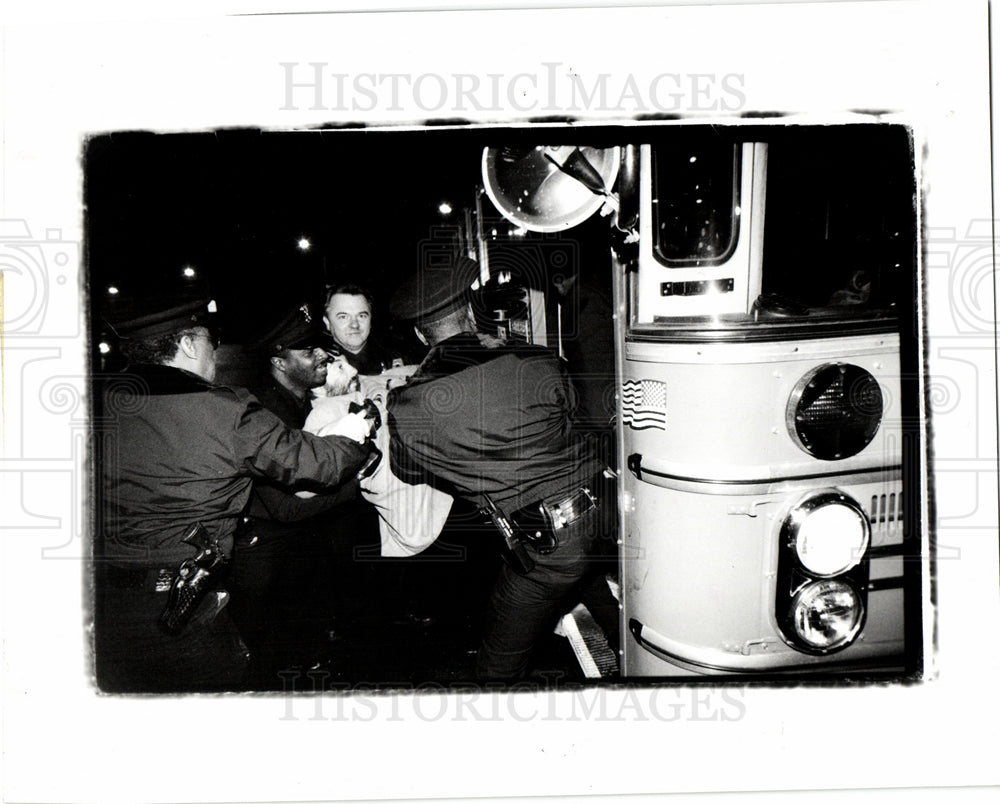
point(212, 337)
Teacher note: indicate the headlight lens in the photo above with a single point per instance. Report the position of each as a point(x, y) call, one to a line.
point(830, 534)
point(826, 615)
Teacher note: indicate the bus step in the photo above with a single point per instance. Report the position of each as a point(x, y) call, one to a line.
point(589, 644)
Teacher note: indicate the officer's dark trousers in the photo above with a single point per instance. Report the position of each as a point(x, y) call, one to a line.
point(279, 579)
point(133, 655)
point(524, 609)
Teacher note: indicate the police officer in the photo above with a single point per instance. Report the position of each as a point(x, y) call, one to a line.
point(282, 562)
point(491, 421)
point(178, 451)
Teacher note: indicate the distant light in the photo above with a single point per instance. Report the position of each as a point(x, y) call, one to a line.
point(103, 348)
point(693, 159)
point(112, 290)
point(444, 208)
point(304, 244)
point(520, 231)
point(188, 271)
point(212, 307)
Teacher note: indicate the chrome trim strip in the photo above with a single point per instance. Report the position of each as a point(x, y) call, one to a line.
point(888, 474)
point(712, 660)
point(764, 330)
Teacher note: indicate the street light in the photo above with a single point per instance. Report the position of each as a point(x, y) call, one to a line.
point(304, 244)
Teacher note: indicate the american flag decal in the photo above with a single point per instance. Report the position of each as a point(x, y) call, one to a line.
point(644, 404)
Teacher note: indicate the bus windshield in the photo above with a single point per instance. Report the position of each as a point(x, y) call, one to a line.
point(838, 244)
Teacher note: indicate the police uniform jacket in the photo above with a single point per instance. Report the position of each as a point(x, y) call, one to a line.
point(274, 503)
point(178, 450)
point(494, 420)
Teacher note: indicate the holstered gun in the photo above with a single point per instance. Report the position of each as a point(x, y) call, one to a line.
point(195, 577)
point(514, 554)
point(370, 412)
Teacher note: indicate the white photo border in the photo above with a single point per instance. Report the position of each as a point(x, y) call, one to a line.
point(922, 63)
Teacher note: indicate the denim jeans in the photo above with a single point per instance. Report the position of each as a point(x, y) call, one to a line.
point(523, 609)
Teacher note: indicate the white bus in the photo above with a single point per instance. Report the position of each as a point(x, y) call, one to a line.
point(768, 415)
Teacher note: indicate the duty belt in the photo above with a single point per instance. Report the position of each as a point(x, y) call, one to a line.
point(552, 514)
point(151, 580)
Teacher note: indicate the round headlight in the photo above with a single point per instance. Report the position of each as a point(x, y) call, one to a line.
point(826, 615)
point(830, 533)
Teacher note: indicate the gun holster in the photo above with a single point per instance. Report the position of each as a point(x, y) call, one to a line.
point(195, 578)
point(512, 539)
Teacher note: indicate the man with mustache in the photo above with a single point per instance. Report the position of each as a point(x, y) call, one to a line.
point(179, 455)
point(282, 561)
point(410, 516)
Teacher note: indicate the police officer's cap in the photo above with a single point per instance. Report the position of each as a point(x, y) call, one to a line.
point(153, 317)
point(300, 328)
point(434, 290)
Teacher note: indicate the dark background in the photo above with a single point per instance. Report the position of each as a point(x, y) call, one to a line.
point(232, 204)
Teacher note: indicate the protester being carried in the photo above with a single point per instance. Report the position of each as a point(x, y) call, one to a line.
point(410, 516)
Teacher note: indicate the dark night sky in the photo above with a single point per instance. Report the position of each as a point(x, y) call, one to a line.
point(233, 204)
